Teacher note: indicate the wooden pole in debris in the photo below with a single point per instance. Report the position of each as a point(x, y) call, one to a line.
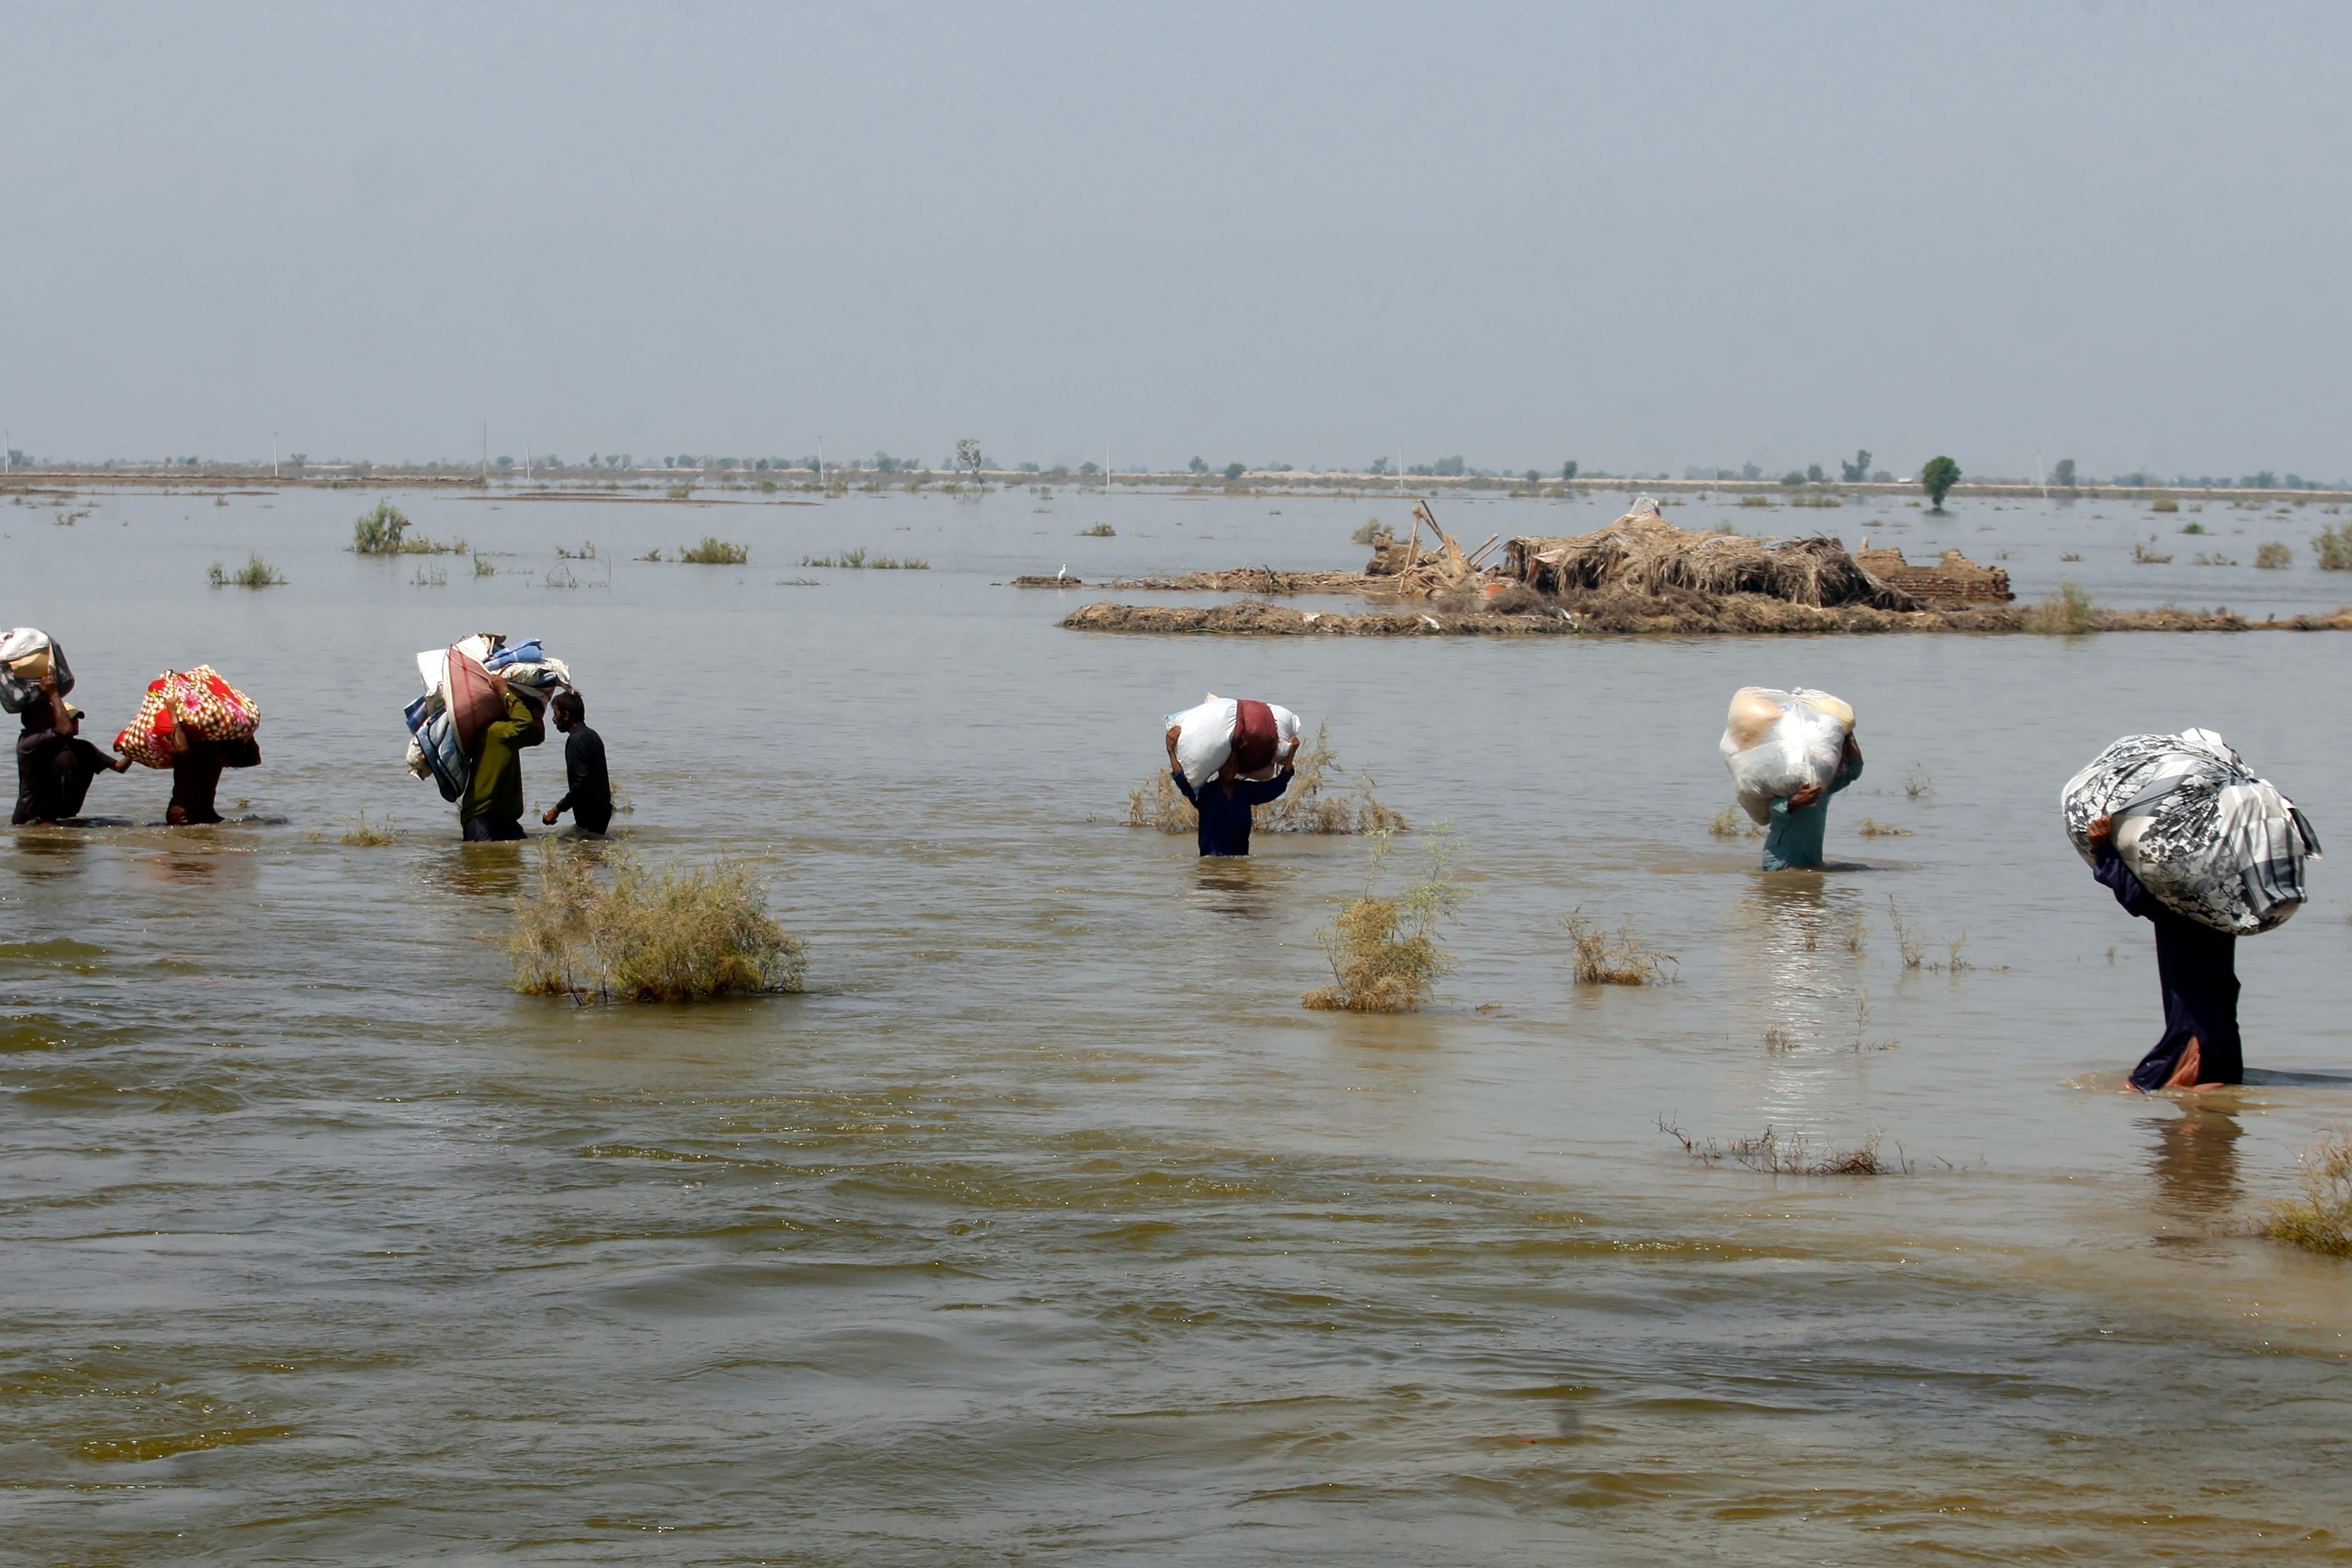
point(1484, 548)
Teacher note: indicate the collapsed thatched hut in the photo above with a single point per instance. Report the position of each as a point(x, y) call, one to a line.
point(1643, 553)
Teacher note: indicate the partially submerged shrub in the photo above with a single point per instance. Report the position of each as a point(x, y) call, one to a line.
point(381, 531)
point(2333, 546)
point(1383, 952)
point(714, 553)
point(1374, 532)
point(680, 936)
point(2321, 1219)
point(363, 832)
point(1099, 530)
point(255, 573)
point(2166, 503)
point(1732, 823)
point(2069, 612)
point(1622, 958)
point(1870, 827)
point(385, 531)
point(1779, 1156)
point(2273, 556)
point(1311, 803)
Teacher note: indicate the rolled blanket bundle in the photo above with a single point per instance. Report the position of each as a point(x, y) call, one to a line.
point(2206, 838)
point(462, 697)
point(208, 707)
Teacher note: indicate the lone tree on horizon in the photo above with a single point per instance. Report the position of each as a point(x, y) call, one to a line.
point(1937, 478)
point(968, 456)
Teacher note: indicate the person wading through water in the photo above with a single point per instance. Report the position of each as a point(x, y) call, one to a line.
point(589, 793)
point(2198, 968)
point(1799, 820)
point(54, 764)
point(1224, 802)
point(196, 766)
point(491, 810)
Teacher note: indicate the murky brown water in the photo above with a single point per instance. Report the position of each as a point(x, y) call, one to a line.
point(1047, 1224)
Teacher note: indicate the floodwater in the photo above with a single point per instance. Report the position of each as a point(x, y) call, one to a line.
point(1048, 1226)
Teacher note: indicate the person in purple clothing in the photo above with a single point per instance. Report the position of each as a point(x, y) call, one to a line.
point(1224, 801)
point(2197, 966)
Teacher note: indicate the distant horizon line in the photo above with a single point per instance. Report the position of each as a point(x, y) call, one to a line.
point(737, 474)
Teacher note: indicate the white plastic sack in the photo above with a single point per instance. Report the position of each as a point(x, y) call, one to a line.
point(1777, 742)
point(25, 647)
point(1204, 739)
point(2206, 838)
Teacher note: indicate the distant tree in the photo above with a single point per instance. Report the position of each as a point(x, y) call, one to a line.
point(1234, 471)
point(506, 462)
point(968, 455)
point(1937, 478)
point(884, 463)
point(2265, 481)
point(1447, 468)
point(1812, 473)
point(1568, 470)
point(1750, 472)
point(1534, 475)
point(298, 459)
point(1857, 470)
point(2063, 476)
point(1088, 468)
point(1380, 465)
point(1196, 466)
point(1792, 477)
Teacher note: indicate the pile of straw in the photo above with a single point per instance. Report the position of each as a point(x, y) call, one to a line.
point(1641, 552)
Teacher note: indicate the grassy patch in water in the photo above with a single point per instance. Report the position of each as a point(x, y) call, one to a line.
point(1622, 958)
point(1384, 952)
point(363, 832)
point(2320, 1220)
point(1781, 1156)
point(675, 936)
point(255, 573)
point(385, 531)
point(713, 551)
point(2069, 612)
point(1313, 804)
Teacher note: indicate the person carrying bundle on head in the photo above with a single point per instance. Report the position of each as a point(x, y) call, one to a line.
point(589, 793)
point(1788, 752)
point(1252, 735)
point(54, 764)
point(2185, 837)
point(491, 809)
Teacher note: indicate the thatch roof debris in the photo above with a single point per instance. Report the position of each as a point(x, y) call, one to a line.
point(1643, 553)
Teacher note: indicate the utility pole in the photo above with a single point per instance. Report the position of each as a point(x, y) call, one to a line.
point(820, 462)
point(273, 453)
point(486, 451)
point(526, 459)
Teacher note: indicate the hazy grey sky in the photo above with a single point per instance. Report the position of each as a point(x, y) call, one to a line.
point(1638, 235)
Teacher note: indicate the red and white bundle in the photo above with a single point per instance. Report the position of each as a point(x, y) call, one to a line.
point(209, 709)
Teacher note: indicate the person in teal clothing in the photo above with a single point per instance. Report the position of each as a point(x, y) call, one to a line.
point(1799, 820)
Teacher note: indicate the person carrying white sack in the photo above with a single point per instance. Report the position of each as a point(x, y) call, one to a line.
point(1226, 741)
point(1788, 752)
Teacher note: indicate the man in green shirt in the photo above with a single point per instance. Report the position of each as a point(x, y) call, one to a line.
point(491, 810)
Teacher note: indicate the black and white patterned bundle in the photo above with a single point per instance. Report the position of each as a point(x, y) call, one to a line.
point(2204, 836)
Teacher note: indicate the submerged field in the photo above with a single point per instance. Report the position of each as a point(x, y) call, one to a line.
point(1046, 1220)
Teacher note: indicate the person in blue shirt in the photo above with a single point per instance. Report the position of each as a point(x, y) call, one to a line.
point(1799, 820)
point(2198, 968)
point(1224, 801)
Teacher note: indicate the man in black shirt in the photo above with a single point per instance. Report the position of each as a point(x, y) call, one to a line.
point(54, 763)
point(590, 797)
